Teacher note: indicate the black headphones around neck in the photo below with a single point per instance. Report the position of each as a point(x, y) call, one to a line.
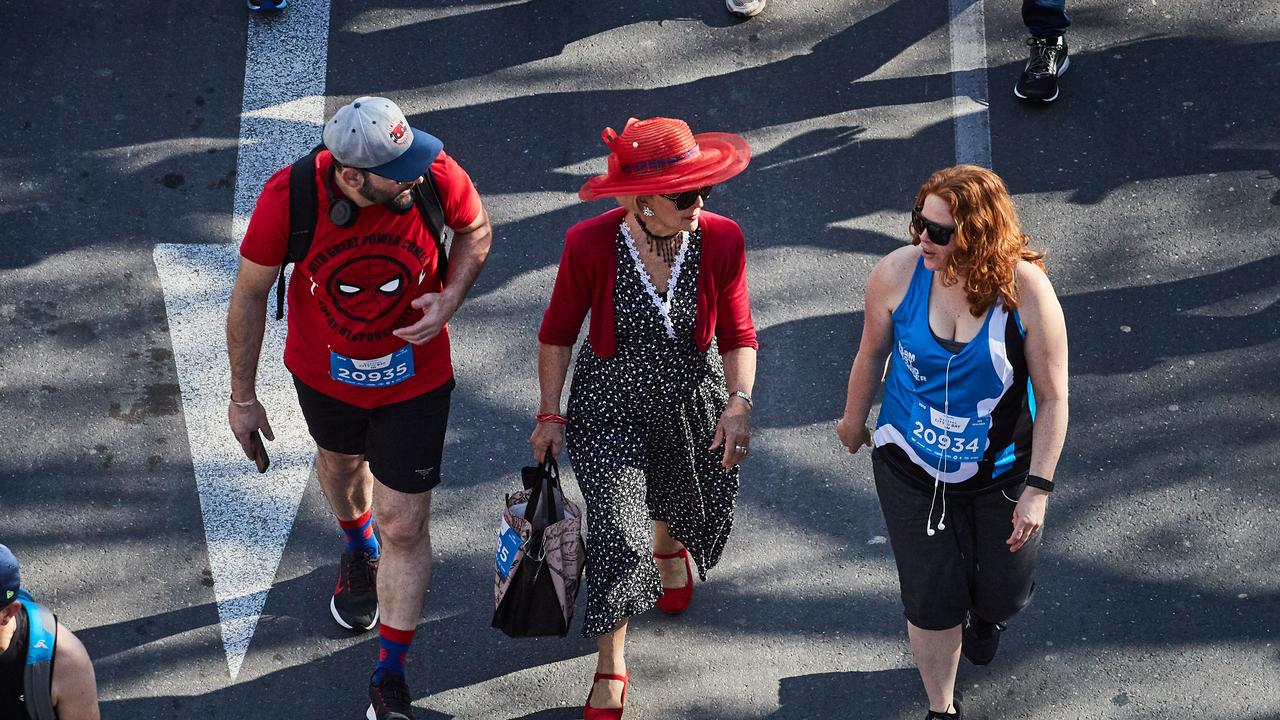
point(342, 212)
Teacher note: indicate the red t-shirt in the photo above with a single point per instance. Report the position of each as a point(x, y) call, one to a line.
point(355, 285)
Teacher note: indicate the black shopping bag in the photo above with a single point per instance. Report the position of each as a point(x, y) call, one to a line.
point(539, 558)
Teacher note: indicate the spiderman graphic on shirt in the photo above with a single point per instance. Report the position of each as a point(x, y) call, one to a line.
point(365, 294)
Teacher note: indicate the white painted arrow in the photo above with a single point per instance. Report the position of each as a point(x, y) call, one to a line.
point(247, 516)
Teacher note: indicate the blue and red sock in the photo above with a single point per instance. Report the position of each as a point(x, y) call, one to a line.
point(393, 646)
point(360, 535)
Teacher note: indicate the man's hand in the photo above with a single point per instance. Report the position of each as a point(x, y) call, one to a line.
point(245, 421)
point(436, 309)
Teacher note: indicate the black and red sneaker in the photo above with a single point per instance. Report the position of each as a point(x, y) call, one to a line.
point(355, 598)
point(389, 697)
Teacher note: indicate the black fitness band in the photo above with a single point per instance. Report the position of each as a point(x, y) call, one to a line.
point(1036, 481)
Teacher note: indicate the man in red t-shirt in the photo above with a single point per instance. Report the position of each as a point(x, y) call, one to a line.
point(368, 347)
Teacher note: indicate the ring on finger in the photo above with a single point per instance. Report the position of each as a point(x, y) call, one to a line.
point(740, 449)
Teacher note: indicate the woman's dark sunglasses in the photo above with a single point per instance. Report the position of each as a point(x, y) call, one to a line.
point(685, 200)
point(938, 234)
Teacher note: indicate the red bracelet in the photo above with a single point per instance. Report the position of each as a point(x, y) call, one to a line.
point(552, 418)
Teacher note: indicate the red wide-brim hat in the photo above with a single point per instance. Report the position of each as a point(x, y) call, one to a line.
point(662, 156)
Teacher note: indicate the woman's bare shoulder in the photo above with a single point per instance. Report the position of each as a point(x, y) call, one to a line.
point(904, 258)
point(1033, 285)
point(889, 279)
point(895, 268)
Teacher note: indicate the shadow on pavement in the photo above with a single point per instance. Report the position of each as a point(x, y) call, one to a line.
point(1114, 331)
point(869, 694)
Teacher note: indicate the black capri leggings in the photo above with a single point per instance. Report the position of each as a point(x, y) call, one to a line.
point(966, 567)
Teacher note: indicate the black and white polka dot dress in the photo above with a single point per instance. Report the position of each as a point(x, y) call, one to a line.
point(640, 423)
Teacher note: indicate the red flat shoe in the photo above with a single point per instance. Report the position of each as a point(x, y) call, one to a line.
point(675, 600)
point(590, 713)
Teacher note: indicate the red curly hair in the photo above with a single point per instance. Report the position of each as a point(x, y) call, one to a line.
point(989, 242)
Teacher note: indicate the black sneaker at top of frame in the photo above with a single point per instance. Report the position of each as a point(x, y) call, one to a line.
point(354, 605)
point(1039, 79)
point(389, 698)
point(980, 639)
point(266, 6)
point(956, 715)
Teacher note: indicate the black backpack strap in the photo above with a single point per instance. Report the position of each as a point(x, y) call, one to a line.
point(303, 205)
point(427, 197)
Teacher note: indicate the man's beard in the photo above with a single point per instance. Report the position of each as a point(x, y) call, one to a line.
point(399, 201)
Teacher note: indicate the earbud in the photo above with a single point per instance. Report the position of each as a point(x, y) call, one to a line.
point(928, 520)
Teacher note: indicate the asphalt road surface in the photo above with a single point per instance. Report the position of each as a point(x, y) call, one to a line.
point(1154, 183)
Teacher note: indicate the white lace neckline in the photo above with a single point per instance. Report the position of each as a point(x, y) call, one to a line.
point(664, 306)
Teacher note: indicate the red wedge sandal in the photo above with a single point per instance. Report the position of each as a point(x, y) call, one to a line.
point(675, 600)
point(590, 713)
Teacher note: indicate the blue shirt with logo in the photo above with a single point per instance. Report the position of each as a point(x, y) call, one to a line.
point(962, 417)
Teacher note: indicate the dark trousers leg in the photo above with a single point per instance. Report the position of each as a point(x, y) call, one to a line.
point(1045, 18)
point(932, 571)
point(1003, 582)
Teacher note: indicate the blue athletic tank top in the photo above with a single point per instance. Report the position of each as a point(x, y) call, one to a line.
point(12, 662)
point(963, 417)
point(26, 667)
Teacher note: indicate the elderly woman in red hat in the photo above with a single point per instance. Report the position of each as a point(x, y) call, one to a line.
point(658, 412)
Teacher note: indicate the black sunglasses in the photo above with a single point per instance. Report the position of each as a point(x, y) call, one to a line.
point(685, 200)
point(938, 234)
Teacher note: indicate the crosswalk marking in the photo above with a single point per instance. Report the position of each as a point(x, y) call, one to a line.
point(969, 82)
point(247, 516)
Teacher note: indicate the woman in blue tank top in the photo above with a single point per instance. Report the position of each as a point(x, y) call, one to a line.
point(972, 421)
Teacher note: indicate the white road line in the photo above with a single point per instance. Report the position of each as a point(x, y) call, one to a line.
point(969, 82)
point(247, 516)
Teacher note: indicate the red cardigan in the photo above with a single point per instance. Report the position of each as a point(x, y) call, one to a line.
point(588, 270)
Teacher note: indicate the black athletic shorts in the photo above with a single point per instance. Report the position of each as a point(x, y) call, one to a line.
point(964, 567)
point(403, 442)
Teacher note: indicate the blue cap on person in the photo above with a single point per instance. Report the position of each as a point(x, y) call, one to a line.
point(10, 581)
point(371, 133)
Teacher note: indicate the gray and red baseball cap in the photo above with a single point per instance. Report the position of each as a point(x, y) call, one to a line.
point(10, 581)
point(372, 134)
